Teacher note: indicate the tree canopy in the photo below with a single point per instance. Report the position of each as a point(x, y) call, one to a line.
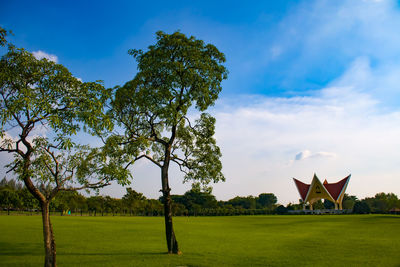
point(173, 75)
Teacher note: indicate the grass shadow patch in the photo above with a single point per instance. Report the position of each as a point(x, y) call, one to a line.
point(20, 249)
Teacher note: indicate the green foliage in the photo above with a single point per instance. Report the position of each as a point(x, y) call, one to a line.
point(11, 183)
point(348, 201)
point(181, 69)
point(175, 74)
point(243, 202)
point(266, 200)
point(9, 198)
point(28, 202)
point(328, 204)
point(3, 35)
point(193, 199)
point(134, 201)
point(361, 207)
point(96, 203)
point(318, 205)
point(281, 210)
point(40, 92)
point(382, 202)
point(69, 201)
point(41, 98)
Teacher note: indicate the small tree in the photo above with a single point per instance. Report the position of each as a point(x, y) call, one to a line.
point(175, 74)
point(40, 95)
point(281, 210)
point(9, 199)
point(361, 207)
point(267, 200)
point(133, 200)
point(349, 201)
point(328, 204)
point(28, 200)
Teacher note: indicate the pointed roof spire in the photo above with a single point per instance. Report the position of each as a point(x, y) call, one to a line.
point(317, 190)
point(302, 188)
point(337, 189)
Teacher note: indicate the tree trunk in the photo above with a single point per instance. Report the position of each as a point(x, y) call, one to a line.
point(172, 243)
point(49, 242)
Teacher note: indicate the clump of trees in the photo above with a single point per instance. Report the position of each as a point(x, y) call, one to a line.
point(195, 202)
point(14, 196)
point(202, 203)
point(380, 203)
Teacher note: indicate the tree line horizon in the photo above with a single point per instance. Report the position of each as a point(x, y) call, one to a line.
point(194, 202)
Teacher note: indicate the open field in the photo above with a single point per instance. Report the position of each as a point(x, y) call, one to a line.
point(335, 240)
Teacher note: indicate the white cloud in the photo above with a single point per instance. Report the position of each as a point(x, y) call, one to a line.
point(306, 154)
point(40, 54)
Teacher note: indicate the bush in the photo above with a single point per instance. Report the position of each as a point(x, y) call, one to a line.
point(361, 207)
point(281, 210)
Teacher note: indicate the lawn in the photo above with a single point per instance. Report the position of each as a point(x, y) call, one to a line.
point(328, 240)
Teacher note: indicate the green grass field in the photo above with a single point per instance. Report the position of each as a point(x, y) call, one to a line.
point(341, 240)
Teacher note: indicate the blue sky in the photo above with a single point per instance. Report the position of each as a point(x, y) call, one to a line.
point(91, 38)
point(313, 85)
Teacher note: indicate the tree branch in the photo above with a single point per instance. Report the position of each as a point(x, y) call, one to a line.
point(99, 184)
point(153, 131)
point(149, 158)
point(181, 165)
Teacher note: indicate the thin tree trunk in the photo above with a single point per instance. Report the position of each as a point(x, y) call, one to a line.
point(172, 243)
point(49, 241)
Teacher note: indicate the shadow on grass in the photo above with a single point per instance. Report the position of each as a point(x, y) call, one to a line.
point(24, 249)
point(20, 249)
point(111, 253)
point(371, 217)
point(392, 216)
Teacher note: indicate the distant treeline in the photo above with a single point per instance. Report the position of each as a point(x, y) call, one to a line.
point(15, 197)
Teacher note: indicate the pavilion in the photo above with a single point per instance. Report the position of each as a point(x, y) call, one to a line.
point(315, 191)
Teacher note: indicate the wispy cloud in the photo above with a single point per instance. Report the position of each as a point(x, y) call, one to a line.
point(40, 54)
point(306, 154)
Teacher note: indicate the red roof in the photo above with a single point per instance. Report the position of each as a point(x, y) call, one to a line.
point(302, 187)
point(335, 188)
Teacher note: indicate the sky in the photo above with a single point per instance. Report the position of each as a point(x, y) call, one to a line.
point(313, 86)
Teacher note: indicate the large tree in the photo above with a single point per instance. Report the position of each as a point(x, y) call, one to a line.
point(41, 106)
point(176, 75)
